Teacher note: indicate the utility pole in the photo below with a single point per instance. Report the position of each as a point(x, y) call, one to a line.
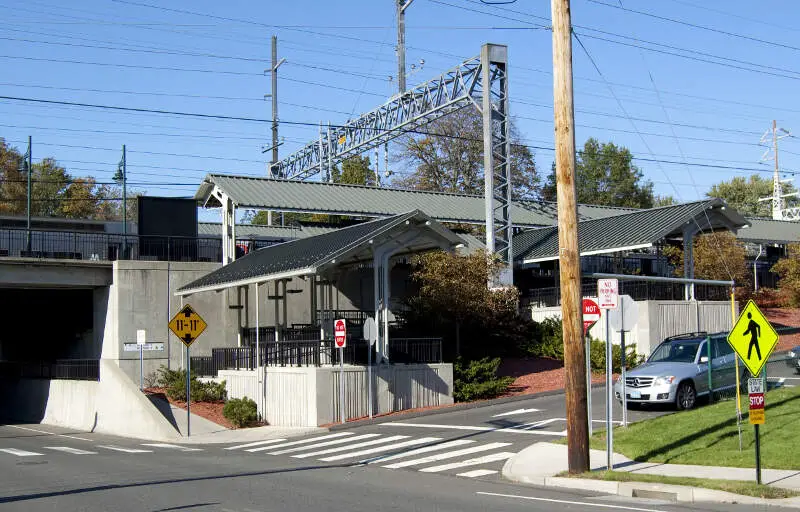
point(402, 5)
point(124, 194)
point(274, 96)
point(569, 258)
point(29, 155)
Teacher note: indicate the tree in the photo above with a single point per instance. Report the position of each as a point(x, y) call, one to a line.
point(453, 161)
point(453, 288)
point(605, 175)
point(788, 269)
point(743, 193)
point(717, 256)
point(663, 201)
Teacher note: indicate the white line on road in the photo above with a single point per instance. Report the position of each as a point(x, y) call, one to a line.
point(257, 443)
point(425, 449)
point(325, 443)
point(486, 459)
point(19, 453)
point(173, 447)
point(48, 433)
point(478, 472)
point(302, 441)
point(511, 413)
point(350, 447)
point(446, 455)
point(395, 446)
point(568, 502)
point(477, 429)
point(67, 449)
point(123, 450)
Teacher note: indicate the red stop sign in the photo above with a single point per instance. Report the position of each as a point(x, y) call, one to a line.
point(339, 333)
point(591, 314)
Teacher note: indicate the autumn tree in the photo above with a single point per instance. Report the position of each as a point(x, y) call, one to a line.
point(452, 160)
point(743, 194)
point(454, 288)
point(605, 175)
point(717, 256)
point(788, 268)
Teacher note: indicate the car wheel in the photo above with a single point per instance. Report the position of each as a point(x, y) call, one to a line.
point(686, 396)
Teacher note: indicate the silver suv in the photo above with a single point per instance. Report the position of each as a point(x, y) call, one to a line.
point(677, 371)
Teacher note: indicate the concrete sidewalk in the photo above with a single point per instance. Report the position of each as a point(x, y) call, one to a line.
point(540, 463)
point(247, 435)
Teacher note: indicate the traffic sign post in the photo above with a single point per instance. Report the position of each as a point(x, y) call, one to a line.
point(370, 333)
point(591, 314)
point(187, 325)
point(624, 319)
point(608, 297)
point(755, 388)
point(141, 340)
point(340, 339)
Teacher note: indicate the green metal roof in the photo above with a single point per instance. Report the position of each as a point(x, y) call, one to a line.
point(637, 229)
point(306, 256)
point(356, 200)
point(769, 231)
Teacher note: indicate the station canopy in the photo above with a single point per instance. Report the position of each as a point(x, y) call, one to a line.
point(636, 229)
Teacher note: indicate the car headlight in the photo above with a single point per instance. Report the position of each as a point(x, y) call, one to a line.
point(660, 381)
point(792, 354)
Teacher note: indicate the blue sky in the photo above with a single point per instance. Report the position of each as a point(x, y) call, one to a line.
point(340, 55)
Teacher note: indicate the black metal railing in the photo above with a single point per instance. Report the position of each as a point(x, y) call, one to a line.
point(415, 350)
point(353, 317)
point(638, 290)
point(82, 245)
point(202, 366)
point(61, 369)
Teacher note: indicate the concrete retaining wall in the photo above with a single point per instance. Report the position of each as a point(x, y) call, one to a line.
point(659, 319)
point(114, 405)
point(309, 396)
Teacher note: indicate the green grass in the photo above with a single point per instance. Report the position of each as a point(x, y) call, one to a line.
point(708, 435)
point(734, 486)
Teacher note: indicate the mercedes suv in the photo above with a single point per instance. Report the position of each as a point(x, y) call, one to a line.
point(677, 371)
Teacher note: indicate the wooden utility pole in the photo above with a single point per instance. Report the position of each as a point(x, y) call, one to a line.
point(569, 258)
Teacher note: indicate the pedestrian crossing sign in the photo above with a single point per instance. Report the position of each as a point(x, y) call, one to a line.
point(753, 338)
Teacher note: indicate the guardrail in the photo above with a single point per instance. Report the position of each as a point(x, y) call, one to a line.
point(62, 369)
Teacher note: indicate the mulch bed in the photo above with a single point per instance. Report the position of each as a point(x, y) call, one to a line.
point(784, 317)
point(537, 374)
point(212, 411)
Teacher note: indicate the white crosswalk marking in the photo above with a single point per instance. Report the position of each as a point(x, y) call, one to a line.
point(19, 453)
point(257, 443)
point(446, 455)
point(418, 451)
point(302, 441)
point(67, 449)
point(384, 448)
point(477, 472)
point(319, 445)
point(494, 457)
point(124, 450)
point(350, 447)
point(173, 447)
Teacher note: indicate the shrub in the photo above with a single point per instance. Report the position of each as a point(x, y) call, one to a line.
point(550, 341)
point(598, 356)
point(478, 379)
point(174, 383)
point(241, 411)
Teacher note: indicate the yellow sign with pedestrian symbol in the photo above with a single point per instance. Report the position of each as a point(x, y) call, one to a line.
point(187, 325)
point(753, 338)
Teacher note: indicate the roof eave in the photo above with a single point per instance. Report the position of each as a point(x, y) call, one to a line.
point(245, 282)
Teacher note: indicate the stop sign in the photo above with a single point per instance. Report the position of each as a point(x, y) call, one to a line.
point(591, 314)
point(340, 333)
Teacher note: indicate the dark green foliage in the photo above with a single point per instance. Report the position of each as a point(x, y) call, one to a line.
point(478, 379)
point(174, 382)
point(241, 411)
point(598, 355)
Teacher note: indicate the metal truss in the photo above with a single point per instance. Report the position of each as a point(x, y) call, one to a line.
point(482, 82)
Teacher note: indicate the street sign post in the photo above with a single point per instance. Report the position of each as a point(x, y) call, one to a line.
point(141, 340)
point(624, 319)
point(755, 388)
point(591, 314)
point(370, 333)
point(608, 297)
point(753, 338)
point(187, 325)
point(340, 339)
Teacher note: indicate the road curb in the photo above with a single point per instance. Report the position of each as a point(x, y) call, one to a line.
point(666, 492)
point(399, 416)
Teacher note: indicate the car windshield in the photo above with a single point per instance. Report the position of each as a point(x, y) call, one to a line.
point(679, 351)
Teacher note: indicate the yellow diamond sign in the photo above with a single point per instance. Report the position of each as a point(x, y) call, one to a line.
point(753, 338)
point(187, 325)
